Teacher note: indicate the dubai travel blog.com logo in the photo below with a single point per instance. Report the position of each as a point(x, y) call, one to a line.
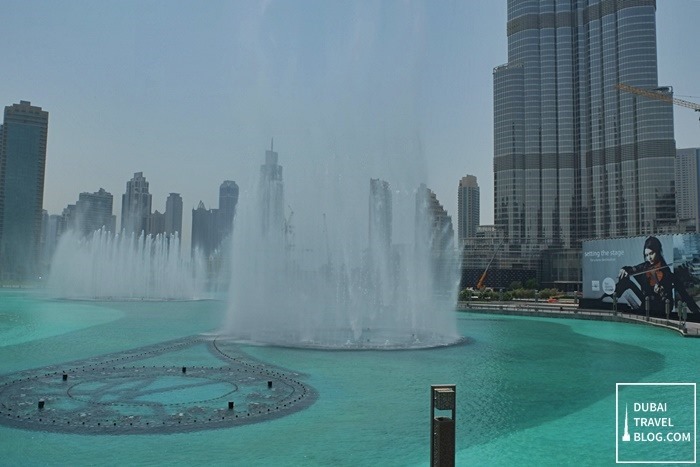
point(656, 423)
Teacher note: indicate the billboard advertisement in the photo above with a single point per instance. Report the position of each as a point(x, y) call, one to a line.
point(636, 272)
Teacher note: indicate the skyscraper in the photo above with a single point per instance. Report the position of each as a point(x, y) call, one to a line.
point(467, 208)
point(211, 227)
point(173, 214)
point(433, 224)
point(203, 230)
point(574, 156)
point(22, 162)
point(687, 189)
point(68, 219)
point(434, 238)
point(156, 223)
point(271, 193)
point(94, 211)
point(136, 206)
point(228, 199)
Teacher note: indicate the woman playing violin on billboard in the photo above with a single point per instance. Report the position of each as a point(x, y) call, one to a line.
point(654, 279)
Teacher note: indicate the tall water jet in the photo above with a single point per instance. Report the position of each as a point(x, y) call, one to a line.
point(335, 287)
point(104, 266)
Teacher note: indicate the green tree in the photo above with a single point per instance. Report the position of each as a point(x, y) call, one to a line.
point(548, 293)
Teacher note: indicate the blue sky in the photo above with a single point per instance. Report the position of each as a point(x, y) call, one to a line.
point(191, 93)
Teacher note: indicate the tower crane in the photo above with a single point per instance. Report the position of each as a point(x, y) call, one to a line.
point(658, 95)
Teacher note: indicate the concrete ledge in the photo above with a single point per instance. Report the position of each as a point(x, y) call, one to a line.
point(571, 311)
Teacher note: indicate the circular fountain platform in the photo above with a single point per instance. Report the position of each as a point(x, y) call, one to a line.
point(129, 393)
point(348, 339)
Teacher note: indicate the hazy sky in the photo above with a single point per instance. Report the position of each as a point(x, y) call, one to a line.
point(191, 92)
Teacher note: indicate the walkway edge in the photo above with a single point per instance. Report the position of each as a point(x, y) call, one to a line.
point(568, 311)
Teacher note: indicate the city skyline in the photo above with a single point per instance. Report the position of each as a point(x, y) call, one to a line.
point(126, 94)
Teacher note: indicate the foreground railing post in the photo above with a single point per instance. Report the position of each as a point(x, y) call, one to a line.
point(647, 306)
point(443, 397)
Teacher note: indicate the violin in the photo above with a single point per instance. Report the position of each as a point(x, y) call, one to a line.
point(655, 276)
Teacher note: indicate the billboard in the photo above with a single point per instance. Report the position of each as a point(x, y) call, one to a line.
point(632, 271)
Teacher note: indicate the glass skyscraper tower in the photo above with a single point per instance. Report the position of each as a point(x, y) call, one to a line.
point(574, 156)
point(468, 217)
point(23, 138)
point(173, 214)
point(136, 206)
point(228, 199)
point(271, 194)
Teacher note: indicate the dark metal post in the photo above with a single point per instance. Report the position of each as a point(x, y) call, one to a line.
point(614, 297)
point(442, 428)
point(647, 305)
point(668, 309)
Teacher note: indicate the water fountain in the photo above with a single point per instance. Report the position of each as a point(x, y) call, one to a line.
point(104, 266)
point(335, 289)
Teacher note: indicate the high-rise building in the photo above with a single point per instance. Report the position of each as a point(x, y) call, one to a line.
point(380, 216)
point(574, 156)
point(23, 138)
point(433, 224)
point(467, 208)
point(687, 193)
point(94, 211)
point(203, 230)
point(434, 239)
point(228, 199)
point(271, 194)
point(156, 223)
point(69, 219)
point(173, 214)
point(136, 206)
point(211, 227)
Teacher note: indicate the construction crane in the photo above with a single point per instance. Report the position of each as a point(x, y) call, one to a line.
point(659, 95)
point(482, 279)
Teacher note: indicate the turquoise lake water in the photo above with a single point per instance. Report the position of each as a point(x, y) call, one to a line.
point(530, 391)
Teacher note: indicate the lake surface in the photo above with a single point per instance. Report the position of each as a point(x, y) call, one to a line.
point(530, 391)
